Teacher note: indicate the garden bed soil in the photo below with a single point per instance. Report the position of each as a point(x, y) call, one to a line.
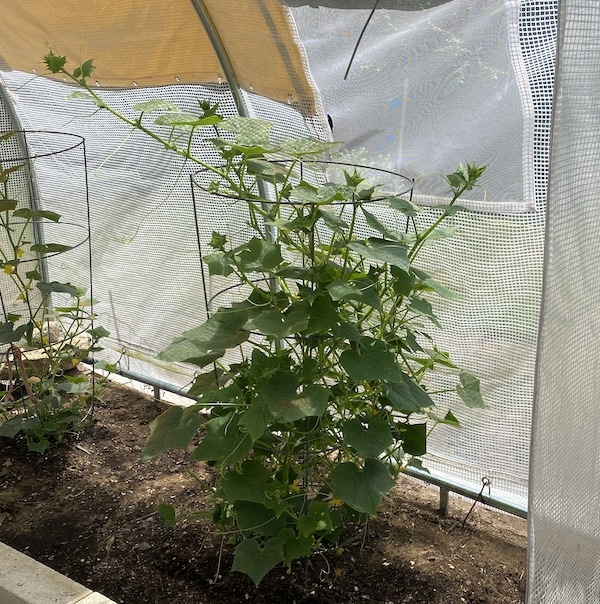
point(88, 510)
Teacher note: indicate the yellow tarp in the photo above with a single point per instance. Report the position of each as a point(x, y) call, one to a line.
point(160, 42)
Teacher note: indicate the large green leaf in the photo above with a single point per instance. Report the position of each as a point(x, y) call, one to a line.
point(256, 561)
point(286, 405)
point(327, 194)
point(407, 396)
point(363, 489)
point(9, 334)
point(369, 438)
point(414, 438)
point(224, 442)
point(221, 331)
point(317, 519)
point(424, 309)
point(372, 364)
point(258, 255)
point(7, 204)
point(469, 391)
point(256, 517)
point(382, 250)
point(362, 290)
point(334, 222)
point(297, 147)
point(431, 284)
point(279, 325)
point(249, 131)
point(295, 547)
point(56, 287)
point(406, 207)
point(27, 213)
point(173, 429)
point(323, 315)
point(50, 248)
point(219, 263)
point(205, 383)
point(186, 121)
point(249, 484)
point(256, 419)
point(376, 224)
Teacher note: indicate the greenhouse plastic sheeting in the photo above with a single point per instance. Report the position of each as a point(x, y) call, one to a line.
point(422, 87)
point(564, 545)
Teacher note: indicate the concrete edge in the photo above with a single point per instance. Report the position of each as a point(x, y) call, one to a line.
point(23, 580)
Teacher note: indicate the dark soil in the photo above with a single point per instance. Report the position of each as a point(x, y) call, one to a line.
point(88, 510)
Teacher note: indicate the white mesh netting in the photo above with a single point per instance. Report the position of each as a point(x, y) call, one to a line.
point(564, 546)
point(451, 82)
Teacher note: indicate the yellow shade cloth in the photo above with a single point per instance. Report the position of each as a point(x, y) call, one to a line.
point(161, 42)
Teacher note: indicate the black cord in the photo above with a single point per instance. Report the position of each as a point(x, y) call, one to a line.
point(362, 32)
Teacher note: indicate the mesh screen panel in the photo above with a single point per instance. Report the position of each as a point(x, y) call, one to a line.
point(564, 564)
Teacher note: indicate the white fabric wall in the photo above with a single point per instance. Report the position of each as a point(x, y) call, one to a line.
point(564, 511)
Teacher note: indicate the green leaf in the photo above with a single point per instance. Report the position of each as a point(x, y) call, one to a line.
point(273, 170)
point(407, 396)
point(362, 290)
point(406, 207)
point(4, 174)
point(376, 224)
point(185, 121)
point(434, 286)
point(27, 213)
point(295, 547)
point(11, 427)
point(219, 263)
point(369, 438)
point(259, 255)
point(249, 131)
point(98, 333)
point(224, 442)
point(221, 331)
point(286, 404)
point(414, 439)
point(424, 309)
point(373, 364)
point(50, 248)
point(34, 275)
point(317, 520)
point(256, 419)
point(56, 287)
point(7, 204)
point(249, 484)
point(279, 325)
point(155, 105)
point(363, 489)
point(205, 383)
point(168, 514)
point(54, 63)
point(297, 147)
point(10, 335)
point(403, 282)
point(469, 391)
point(334, 222)
point(327, 194)
point(255, 517)
point(382, 250)
point(256, 561)
point(323, 316)
point(173, 429)
point(73, 385)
